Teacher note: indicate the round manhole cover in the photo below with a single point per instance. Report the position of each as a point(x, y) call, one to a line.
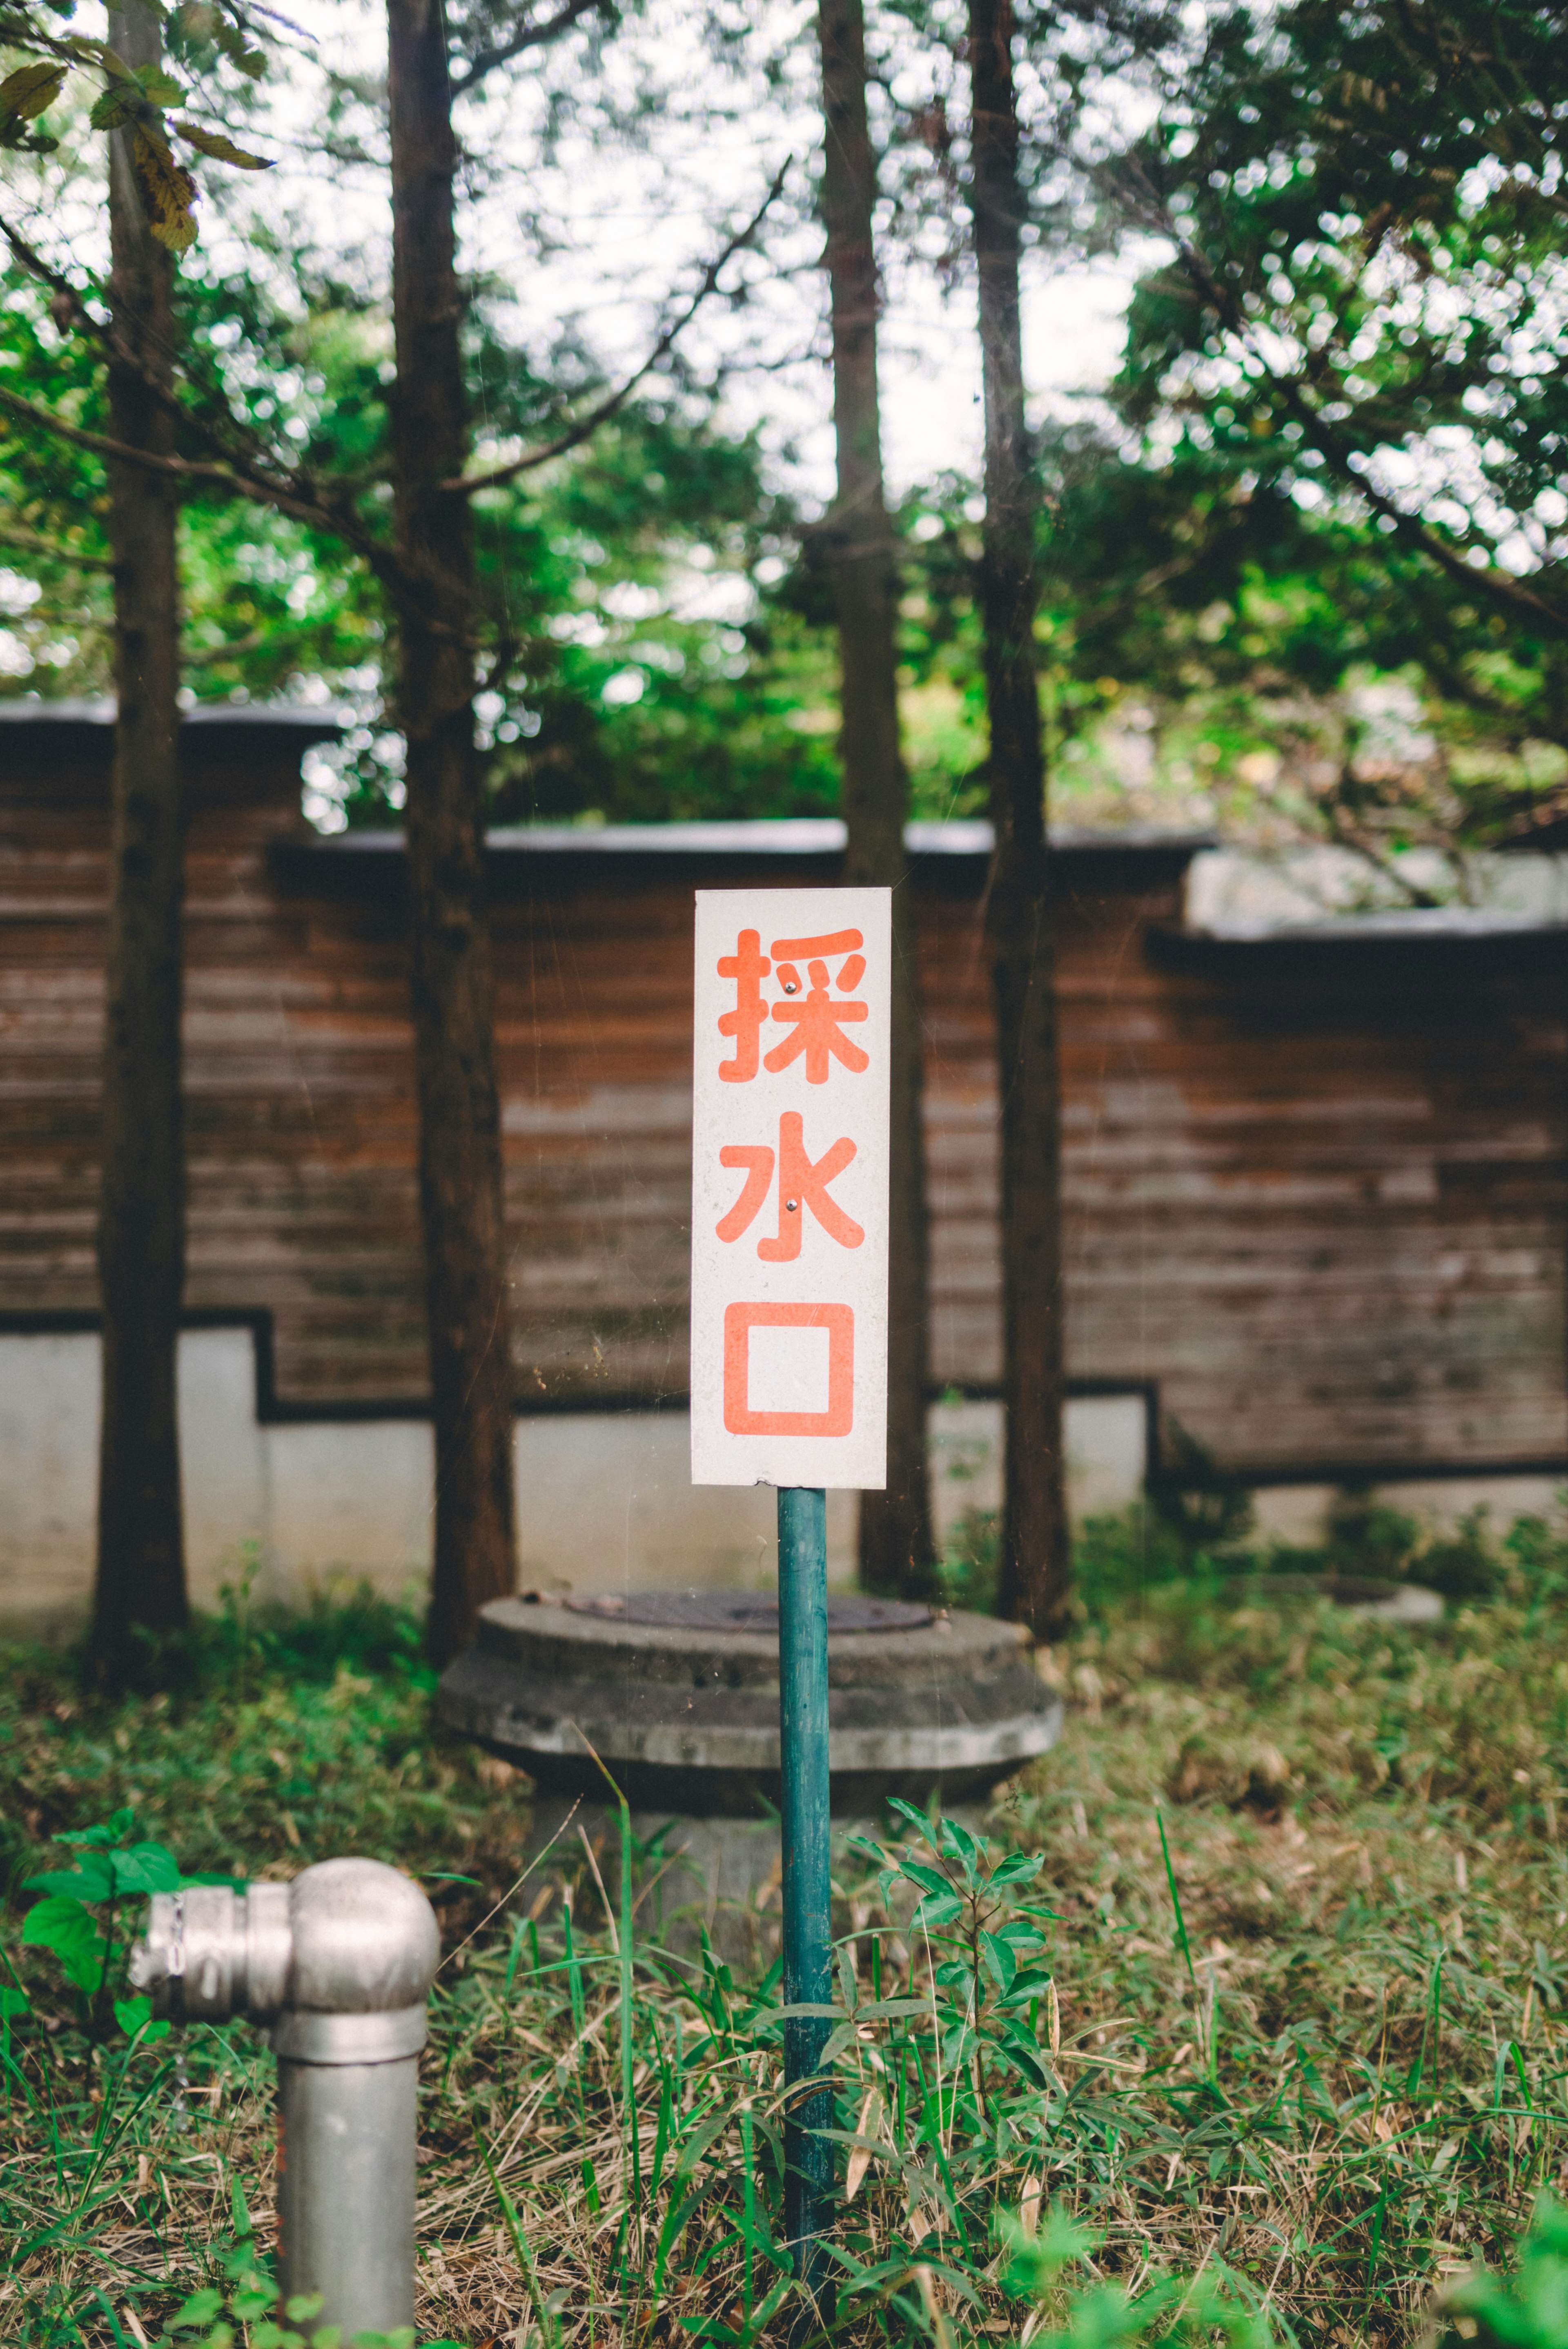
point(742, 1611)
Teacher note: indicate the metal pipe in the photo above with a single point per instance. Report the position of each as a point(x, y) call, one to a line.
point(808, 1965)
point(340, 1963)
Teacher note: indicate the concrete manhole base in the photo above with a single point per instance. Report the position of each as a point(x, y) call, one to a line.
point(683, 1713)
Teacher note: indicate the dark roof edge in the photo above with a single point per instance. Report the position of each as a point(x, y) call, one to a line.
point(1443, 930)
point(798, 836)
point(99, 711)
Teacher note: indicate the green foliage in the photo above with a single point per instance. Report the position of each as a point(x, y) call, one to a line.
point(1348, 387)
point(244, 2306)
point(76, 1918)
point(1281, 2032)
point(646, 672)
point(1526, 2311)
point(1367, 275)
point(1171, 2313)
point(278, 1736)
point(987, 1947)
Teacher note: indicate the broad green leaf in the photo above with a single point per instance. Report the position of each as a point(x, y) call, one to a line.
point(112, 1830)
point(934, 1911)
point(31, 90)
point(113, 108)
point(92, 1879)
point(959, 1843)
point(1018, 1867)
point(134, 2014)
point(159, 88)
point(222, 149)
point(200, 2309)
point(63, 1926)
point(930, 1879)
point(146, 1868)
point(1000, 1960)
point(835, 2044)
point(1026, 2059)
point(13, 2002)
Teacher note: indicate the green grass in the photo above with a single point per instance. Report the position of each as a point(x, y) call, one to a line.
point(1289, 2055)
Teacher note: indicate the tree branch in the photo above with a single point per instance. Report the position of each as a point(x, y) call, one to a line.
point(31, 544)
point(531, 37)
point(587, 425)
point(229, 437)
point(207, 655)
point(198, 472)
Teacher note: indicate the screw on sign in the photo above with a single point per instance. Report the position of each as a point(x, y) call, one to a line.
point(788, 1346)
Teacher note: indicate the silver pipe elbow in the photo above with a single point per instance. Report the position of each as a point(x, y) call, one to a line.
point(346, 1937)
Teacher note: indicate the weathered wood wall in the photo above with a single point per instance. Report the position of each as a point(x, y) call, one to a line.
point(1316, 1192)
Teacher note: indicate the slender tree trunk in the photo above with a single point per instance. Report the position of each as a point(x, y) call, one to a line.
point(140, 1578)
point(460, 1184)
point(1036, 1565)
point(897, 1551)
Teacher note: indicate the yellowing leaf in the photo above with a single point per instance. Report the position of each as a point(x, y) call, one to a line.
point(30, 90)
point(868, 2126)
point(168, 191)
point(222, 149)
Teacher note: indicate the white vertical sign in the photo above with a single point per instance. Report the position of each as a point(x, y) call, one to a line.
point(790, 1187)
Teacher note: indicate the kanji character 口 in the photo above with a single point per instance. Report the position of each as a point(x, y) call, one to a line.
point(801, 1185)
point(818, 1021)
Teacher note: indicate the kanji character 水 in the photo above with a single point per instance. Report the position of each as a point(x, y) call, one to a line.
point(801, 1185)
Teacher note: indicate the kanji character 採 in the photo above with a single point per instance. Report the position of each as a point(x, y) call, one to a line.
point(818, 1021)
point(801, 1185)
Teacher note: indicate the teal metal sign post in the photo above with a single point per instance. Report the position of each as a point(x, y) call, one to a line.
point(791, 1020)
point(807, 1923)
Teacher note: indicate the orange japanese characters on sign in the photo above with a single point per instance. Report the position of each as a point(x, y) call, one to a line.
point(790, 1185)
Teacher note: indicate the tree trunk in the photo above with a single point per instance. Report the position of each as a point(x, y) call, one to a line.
point(140, 1577)
point(1036, 1565)
point(897, 1551)
point(460, 1183)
